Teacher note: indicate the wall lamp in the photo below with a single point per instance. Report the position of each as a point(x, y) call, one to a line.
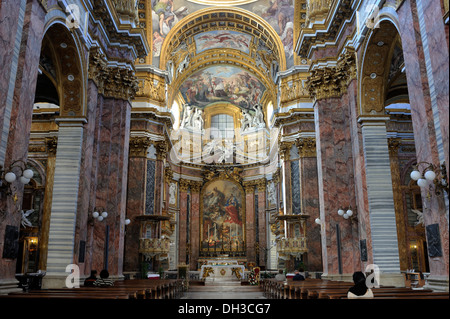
point(431, 174)
point(99, 213)
point(17, 170)
point(346, 214)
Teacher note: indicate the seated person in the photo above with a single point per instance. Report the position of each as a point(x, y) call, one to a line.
point(280, 276)
point(359, 290)
point(298, 276)
point(89, 281)
point(104, 281)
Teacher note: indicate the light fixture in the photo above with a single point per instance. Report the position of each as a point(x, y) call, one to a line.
point(16, 171)
point(431, 174)
point(318, 221)
point(347, 213)
point(127, 221)
point(99, 214)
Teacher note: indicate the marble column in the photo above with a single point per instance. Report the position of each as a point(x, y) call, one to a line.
point(182, 222)
point(400, 216)
point(137, 172)
point(194, 225)
point(335, 185)
point(48, 196)
point(250, 239)
point(262, 223)
point(112, 172)
point(161, 153)
point(64, 202)
point(286, 186)
point(426, 65)
point(310, 202)
point(21, 31)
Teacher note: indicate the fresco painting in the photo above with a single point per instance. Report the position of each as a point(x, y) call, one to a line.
point(222, 83)
point(223, 38)
point(278, 13)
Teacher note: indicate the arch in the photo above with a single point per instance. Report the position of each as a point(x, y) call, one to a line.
point(248, 23)
point(69, 76)
point(374, 70)
point(264, 57)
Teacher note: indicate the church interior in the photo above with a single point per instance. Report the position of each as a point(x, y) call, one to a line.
point(169, 138)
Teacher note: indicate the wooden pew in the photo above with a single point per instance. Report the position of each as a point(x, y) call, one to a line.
point(126, 289)
point(393, 293)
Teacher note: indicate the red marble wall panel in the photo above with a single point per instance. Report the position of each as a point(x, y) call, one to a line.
point(194, 221)
point(22, 107)
point(336, 186)
point(421, 103)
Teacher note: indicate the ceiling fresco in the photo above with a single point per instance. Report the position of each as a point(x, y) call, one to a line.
point(222, 83)
point(278, 13)
point(222, 38)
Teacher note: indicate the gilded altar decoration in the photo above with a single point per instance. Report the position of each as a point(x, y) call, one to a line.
point(237, 272)
point(207, 271)
point(223, 272)
point(222, 217)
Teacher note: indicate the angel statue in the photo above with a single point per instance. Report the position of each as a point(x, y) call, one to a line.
point(25, 222)
point(419, 214)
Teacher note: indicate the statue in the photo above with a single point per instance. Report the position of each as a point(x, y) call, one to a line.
point(25, 222)
point(186, 122)
point(258, 119)
point(246, 121)
point(183, 65)
point(172, 193)
point(197, 120)
point(271, 193)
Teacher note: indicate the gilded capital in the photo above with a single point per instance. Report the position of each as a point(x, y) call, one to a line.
point(306, 146)
point(162, 148)
point(111, 82)
point(52, 144)
point(285, 149)
point(331, 82)
point(393, 144)
point(139, 146)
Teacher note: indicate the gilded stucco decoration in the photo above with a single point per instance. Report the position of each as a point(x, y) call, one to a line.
point(111, 81)
point(375, 69)
point(196, 43)
point(333, 81)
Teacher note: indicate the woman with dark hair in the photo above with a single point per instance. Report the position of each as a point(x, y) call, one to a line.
point(359, 290)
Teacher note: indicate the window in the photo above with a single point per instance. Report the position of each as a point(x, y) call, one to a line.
point(222, 126)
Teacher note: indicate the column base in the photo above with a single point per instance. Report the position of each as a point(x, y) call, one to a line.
point(437, 283)
point(9, 285)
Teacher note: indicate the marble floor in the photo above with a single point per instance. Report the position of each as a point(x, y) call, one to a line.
point(224, 291)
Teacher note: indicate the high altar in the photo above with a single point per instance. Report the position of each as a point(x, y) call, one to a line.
point(222, 270)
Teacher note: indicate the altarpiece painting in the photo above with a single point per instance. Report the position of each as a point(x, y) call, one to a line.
point(222, 218)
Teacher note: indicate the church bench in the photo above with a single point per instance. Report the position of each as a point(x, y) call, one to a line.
point(336, 293)
point(305, 290)
point(64, 295)
point(155, 289)
point(397, 293)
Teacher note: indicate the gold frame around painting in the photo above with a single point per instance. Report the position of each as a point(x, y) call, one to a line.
point(237, 248)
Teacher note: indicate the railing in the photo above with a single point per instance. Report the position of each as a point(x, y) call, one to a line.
point(154, 246)
point(292, 246)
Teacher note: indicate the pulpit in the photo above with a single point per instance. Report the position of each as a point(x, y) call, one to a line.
point(293, 244)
